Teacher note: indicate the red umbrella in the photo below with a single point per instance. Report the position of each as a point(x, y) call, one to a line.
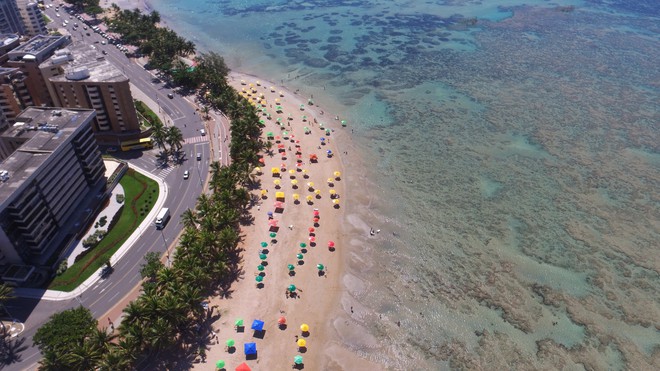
point(316, 213)
point(311, 229)
point(272, 223)
point(262, 161)
point(278, 204)
point(281, 321)
point(315, 220)
point(243, 367)
point(331, 244)
point(283, 166)
point(280, 145)
point(277, 137)
point(299, 164)
point(312, 239)
point(297, 141)
point(299, 156)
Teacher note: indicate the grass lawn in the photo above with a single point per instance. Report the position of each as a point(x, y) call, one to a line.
point(141, 195)
point(147, 113)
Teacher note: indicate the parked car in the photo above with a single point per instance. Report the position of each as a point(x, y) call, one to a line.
point(186, 174)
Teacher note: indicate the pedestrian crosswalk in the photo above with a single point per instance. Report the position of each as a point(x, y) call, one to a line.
point(165, 172)
point(197, 139)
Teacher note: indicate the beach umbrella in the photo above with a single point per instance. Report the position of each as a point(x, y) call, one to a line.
point(258, 83)
point(272, 89)
point(296, 197)
point(260, 267)
point(243, 83)
point(309, 198)
point(316, 213)
point(262, 161)
point(230, 342)
point(307, 131)
point(257, 169)
point(292, 288)
point(304, 118)
point(310, 184)
point(239, 322)
point(281, 94)
point(311, 229)
point(343, 123)
point(315, 220)
point(275, 170)
point(299, 165)
point(331, 243)
point(257, 325)
point(301, 343)
point(291, 267)
point(276, 182)
point(250, 348)
point(263, 256)
point(329, 152)
point(337, 174)
point(264, 244)
point(331, 182)
point(304, 171)
point(322, 139)
point(292, 172)
point(278, 204)
point(298, 360)
point(264, 192)
point(283, 166)
point(321, 125)
point(294, 182)
point(332, 192)
point(312, 239)
point(302, 107)
point(303, 245)
point(270, 214)
point(327, 131)
point(290, 117)
point(221, 364)
point(317, 192)
point(320, 267)
point(335, 202)
point(281, 321)
point(300, 256)
point(258, 278)
point(243, 366)
point(304, 327)
point(273, 235)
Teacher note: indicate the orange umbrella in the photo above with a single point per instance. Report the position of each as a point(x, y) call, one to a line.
point(281, 321)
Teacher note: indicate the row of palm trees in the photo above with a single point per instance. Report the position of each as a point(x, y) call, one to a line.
point(167, 135)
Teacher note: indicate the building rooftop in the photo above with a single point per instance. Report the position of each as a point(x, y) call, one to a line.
point(39, 47)
point(8, 38)
point(42, 131)
point(85, 63)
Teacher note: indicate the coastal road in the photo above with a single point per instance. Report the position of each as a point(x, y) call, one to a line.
point(181, 195)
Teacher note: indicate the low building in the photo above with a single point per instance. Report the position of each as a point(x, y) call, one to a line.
point(51, 169)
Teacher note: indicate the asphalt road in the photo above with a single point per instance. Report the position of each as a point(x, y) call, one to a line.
point(181, 195)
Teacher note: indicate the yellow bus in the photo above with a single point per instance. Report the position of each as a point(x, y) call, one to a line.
point(144, 143)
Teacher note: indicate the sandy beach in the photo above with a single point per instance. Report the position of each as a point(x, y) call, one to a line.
point(297, 134)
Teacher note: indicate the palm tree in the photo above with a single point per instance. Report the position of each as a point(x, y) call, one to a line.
point(159, 134)
point(205, 111)
point(174, 138)
point(189, 219)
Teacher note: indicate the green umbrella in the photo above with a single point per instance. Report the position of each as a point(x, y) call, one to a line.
point(258, 279)
point(263, 256)
point(304, 118)
point(303, 245)
point(269, 134)
point(298, 360)
point(343, 123)
point(320, 266)
point(306, 129)
point(279, 119)
point(273, 234)
point(239, 322)
point(231, 343)
point(299, 256)
point(264, 244)
point(292, 288)
point(260, 267)
point(221, 364)
point(302, 107)
point(291, 267)
point(327, 131)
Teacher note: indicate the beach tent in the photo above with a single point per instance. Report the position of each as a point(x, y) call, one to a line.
point(275, 171)
point(250, 349)
point(279, 195)
point(257, 325)
point(243, 366)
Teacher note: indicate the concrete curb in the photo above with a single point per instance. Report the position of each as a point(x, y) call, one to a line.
point(54, 295)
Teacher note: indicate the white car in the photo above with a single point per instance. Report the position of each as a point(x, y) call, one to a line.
point(186, 174)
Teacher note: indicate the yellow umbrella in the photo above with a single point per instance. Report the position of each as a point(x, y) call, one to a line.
point(304, 327)
point(301, 343)
point(281, 94)
point(294, 182)
point(275, 170)
point(264, 192)
point(304, 171)
point(309, 198)
point(272, 89)
point(310, 184)
point(257, 169)
point(333, 192)
point(292, 172)
point(337, 174)
point(330, 180)
point(296, 197)
point(251, 84)
point(276, 182)
point(277, 100)
point(317, 192)
point(335, 202)
point(258, 83)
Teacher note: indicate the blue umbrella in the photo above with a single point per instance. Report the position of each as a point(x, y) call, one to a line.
point(322, 139)
point(257, 325)
point(270, 213)
point(250, 348)
point(329, 152)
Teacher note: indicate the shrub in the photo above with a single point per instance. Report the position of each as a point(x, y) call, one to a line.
point(64, 265)
point(103, 221)
point(120, 198)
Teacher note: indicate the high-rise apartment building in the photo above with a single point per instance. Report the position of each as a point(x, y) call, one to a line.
point(51, 165)
point(33, 19)
point(29, 87)
point(79, 76)
point(10, 18)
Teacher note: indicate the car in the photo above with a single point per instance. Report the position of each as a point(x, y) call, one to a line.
point(199, 157)
point(186, 174)
point(170, 95)
point(84, 28)
point(104, 52)
point(103, 42)
point(111, 149)
point(202, 132)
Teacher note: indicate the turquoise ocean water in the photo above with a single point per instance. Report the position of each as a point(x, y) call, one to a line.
point(510, 156)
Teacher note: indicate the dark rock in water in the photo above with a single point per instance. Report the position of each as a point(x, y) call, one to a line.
point(336, 32)
point(316, 62)
point(267, 46)
point(279, 42)
point(334, 39)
